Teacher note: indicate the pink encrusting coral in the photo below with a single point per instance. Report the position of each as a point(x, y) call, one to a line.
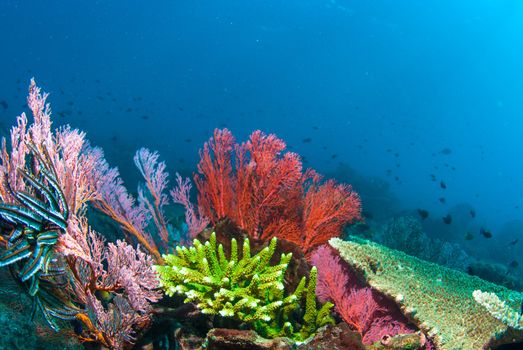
point(361, 307)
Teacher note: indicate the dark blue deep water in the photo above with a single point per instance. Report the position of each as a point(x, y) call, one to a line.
point(418, 104)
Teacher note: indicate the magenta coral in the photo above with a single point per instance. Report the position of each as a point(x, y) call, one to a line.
point(359, 306)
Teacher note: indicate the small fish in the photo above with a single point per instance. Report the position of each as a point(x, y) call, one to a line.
point(4, 104)
point(396, 155)
point(445, 151)
point(472, 213)
point(513, 264)
point(514, 242)
point(423, 213)
point(316, 128)
point(129, 109)
point(145, 117)
point(334, 156)
point(469, 236)
point(180, 109)
point(443, 185)
point(447, 219)
point(485, 233)
point(442, 200)
point(188, 140)
point(307, 140)
point(432, 177)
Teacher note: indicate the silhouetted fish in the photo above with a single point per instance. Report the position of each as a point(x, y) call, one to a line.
point(447, 219)
point(469, 236)
point(442, 200)
point(334, 156)
point(4, 104)
point(423, 213)
point(316, 128)
point(433, 177)
point(485, 233)
point(472, 213)
point(307, 140)
point(513, 264)
point(188, 140)
point(446, 151)
point(514, 242)
point(145, 117)
point(443, 185)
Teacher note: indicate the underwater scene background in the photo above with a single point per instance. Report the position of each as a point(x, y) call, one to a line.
point(411, 111)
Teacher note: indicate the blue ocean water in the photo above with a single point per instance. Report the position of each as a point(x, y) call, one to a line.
point(422, 100)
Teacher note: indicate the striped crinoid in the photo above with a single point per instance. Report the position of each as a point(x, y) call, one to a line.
point(34, 223)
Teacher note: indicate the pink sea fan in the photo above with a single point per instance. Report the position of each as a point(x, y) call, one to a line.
point(131, 269)
point(358, 305)
point(156, 179)
point(180, 194)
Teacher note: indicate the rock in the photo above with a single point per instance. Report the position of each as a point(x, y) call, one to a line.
point(233, 339)
point(187, 341)
point(411, 341)
point(339, 337)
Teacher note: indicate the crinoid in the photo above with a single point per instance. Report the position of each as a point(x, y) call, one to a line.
point(34, 224)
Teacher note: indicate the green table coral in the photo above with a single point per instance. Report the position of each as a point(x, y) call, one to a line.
point(248, 289)
point(437, 299)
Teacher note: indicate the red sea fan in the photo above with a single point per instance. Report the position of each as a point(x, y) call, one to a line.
point(215, 180)
point(267, 194)
point(359, 306)
point(328, 207)
point(268, 183)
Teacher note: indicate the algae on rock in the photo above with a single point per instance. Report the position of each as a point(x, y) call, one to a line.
point(437, 299)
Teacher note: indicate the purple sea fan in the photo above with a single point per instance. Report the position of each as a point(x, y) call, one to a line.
point(358, 305)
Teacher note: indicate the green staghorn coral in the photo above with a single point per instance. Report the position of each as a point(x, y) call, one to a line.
point(247, 289)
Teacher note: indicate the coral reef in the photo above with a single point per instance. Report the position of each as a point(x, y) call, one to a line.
point(246, 288)
point(406, 234)
point(432, 296)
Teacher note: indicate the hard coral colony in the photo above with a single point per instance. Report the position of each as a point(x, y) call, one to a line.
point(109, 294)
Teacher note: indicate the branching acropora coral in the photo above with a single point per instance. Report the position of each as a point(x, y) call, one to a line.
point(248, 289)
